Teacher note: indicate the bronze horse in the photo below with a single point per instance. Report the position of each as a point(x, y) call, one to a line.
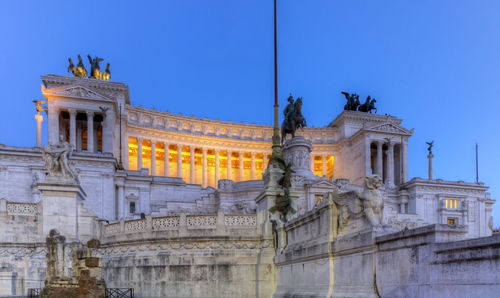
point(295, 121)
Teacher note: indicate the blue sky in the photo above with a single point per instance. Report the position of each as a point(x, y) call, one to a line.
point(434, 64)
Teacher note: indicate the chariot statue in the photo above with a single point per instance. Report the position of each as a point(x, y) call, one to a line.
point(293, 118)
point(353, 103)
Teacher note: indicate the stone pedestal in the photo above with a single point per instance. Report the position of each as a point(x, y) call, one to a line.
point(297, 152)
point(60, 207)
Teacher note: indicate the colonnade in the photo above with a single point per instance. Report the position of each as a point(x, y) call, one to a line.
point(207, 165)
point(196, 164)
point(387, 159)
point(97, 126)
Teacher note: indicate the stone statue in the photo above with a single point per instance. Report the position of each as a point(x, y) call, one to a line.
point(95, 70)
point(352, 103)
point(360, 209)
point(106, 75)
point(79, 70)
point(39, 104)
point(368, 106)
point(56, 159)
point(431, 144)
point(293, 118)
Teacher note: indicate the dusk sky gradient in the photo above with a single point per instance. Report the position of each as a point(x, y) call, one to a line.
point(434, 64)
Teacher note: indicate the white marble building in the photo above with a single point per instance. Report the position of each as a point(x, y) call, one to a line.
point(181, 173)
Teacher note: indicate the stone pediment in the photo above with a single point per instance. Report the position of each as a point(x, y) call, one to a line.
point(389, 127)
point(78, 91)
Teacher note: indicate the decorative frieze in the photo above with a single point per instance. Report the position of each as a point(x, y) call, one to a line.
point(26, 209)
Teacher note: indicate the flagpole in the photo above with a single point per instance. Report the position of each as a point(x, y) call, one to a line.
point(276, 134)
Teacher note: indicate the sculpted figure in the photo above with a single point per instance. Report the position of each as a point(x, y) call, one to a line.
point(106, 75)
point(356, 204)
point(429, 148)
point(80, 68)
point(71, 67)
point(352, 103)
point(95, 70)
point(368, 106)
point(293, 118)
point(56, 159)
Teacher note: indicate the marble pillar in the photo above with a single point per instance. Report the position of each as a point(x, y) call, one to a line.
point(179, 160)
point(379, 165)
point(204, 177)
point(229, 165)
point(107, 131)
point(192, 174)
point(72, 128)
point(53, 128)
point(242, 166)
point(90, 131)
point(217, 166)
point(323, 165)
point(139, 154)
point(390, 165)
point(252, 177)
point(166, 162)
point(153, 158)
point(39, 119)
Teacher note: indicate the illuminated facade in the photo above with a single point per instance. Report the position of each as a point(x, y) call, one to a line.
point(155, 184)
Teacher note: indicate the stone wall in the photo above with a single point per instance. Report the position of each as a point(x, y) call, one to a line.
point(189, 256)
point(429, 261)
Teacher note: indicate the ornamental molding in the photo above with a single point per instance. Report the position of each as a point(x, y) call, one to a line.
point(389, 127)
point(109, 250)
point(75, 91)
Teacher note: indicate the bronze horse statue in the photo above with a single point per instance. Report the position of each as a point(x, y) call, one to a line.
point(294, 120)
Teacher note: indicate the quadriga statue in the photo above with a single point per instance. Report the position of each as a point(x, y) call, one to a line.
point(359, 209)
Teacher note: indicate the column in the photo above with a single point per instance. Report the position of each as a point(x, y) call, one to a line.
point(204, 178)
point(72, 128)
point(79, 138)
point(390, 165)
point(368, 157)
point(153, 158)
point(90, 131)
point(139, 154)
point(53, 129)
point(312, 163)
point(242, 166)
point(253, 166)
point(379, 166)
point(192, 177)
point(39, 119)
point(179, 160)
point(323, 164)
point(121, 202)
point(404, 159)
point(217, 164)
point(229, 168)
point(166, 163)
point(107, 131)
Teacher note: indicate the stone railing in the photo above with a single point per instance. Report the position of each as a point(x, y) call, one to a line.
point(26, 209)
point(176, 223)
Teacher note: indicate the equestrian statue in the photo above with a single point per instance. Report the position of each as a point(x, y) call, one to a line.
point(293, 118)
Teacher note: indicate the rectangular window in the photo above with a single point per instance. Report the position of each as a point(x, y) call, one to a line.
point(451, 203)
point(132, 208)
point(451, 221)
